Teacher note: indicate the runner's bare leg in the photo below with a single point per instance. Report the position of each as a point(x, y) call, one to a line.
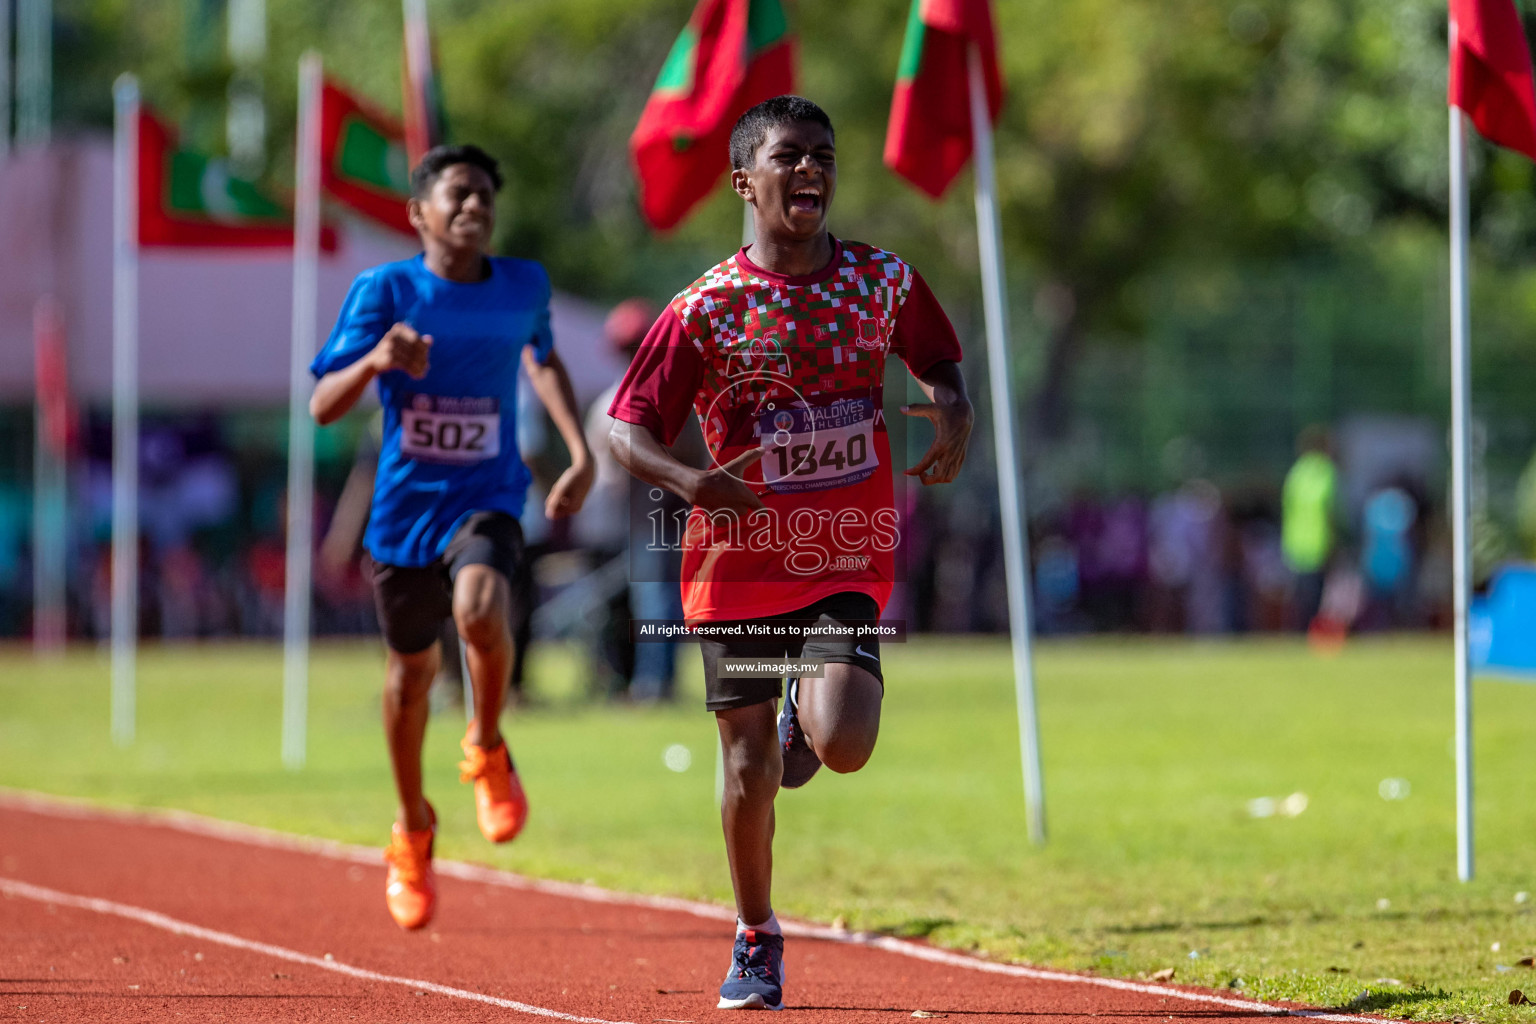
point(840, 714)
point(749, 738)
point(482, 602)
point(407, 678)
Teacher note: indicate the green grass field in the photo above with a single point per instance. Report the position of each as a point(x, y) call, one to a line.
point(1153, 753)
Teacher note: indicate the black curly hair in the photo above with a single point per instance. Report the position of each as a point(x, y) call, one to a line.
point(753, 126)
point(439, 158)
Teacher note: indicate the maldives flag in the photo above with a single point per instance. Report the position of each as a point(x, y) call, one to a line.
point(1491, 73)
point(362, 159)
point(187, 200)
point(928, 139)
point(732, 55)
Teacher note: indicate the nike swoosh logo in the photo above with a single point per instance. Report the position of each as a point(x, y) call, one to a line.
point(861, 652)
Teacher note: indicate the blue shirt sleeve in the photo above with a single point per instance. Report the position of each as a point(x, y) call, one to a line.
point(543, 338)
point(366, 315)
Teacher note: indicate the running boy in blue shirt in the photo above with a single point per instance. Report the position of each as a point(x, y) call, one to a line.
point(443, 334)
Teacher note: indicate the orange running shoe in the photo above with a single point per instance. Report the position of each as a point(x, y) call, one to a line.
point(501, 807)
point(410, 888)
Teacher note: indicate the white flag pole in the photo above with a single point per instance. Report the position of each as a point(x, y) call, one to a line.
point(1010, 489)
point(5, 78)
point(1461, 489)
point(125, 406)
point(418, 66)
point(34, 71)
point(301, 428)
point(466, 683)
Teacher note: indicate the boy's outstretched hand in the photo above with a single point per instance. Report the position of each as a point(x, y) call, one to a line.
point(568, 493)
point(952, 431)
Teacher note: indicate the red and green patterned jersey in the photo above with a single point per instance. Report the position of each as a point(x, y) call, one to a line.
point(793, 366)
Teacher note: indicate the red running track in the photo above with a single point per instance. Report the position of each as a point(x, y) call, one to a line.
point(118, 916)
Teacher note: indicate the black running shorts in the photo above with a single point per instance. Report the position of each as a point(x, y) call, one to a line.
point(739, 691)
point(413, 601)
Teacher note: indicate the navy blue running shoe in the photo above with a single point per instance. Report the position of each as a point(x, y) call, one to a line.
point(800, 761)
point(756, 977)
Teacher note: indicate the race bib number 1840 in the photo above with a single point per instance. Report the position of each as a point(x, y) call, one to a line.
point(818, 448)
point(437, 428)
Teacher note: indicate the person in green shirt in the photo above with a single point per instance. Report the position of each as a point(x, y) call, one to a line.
point(1307, 534)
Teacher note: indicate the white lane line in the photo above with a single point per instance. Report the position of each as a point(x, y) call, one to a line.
point(252, 835)
point(12, 888)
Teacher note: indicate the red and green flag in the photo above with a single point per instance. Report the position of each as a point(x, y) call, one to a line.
point(363, 160)
point(928, 140)
point(732, 55)
point(188, 200)
point(426, 117)
point(1491, 73)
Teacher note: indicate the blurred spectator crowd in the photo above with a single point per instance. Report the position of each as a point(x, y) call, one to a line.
point(1192, 559)
point(212, 556)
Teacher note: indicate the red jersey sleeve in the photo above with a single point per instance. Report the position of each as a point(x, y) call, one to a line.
point(659, 387)
point(923, 334)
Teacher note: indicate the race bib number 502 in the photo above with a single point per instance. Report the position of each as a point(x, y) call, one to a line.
point(818, 448)
point(437, 428)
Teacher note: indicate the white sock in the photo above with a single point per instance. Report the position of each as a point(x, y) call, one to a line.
point(771, 926)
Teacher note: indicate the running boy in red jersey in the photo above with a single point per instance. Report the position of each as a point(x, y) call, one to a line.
point(780, 351)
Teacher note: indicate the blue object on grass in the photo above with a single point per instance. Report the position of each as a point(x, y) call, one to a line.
point(1503, 624)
